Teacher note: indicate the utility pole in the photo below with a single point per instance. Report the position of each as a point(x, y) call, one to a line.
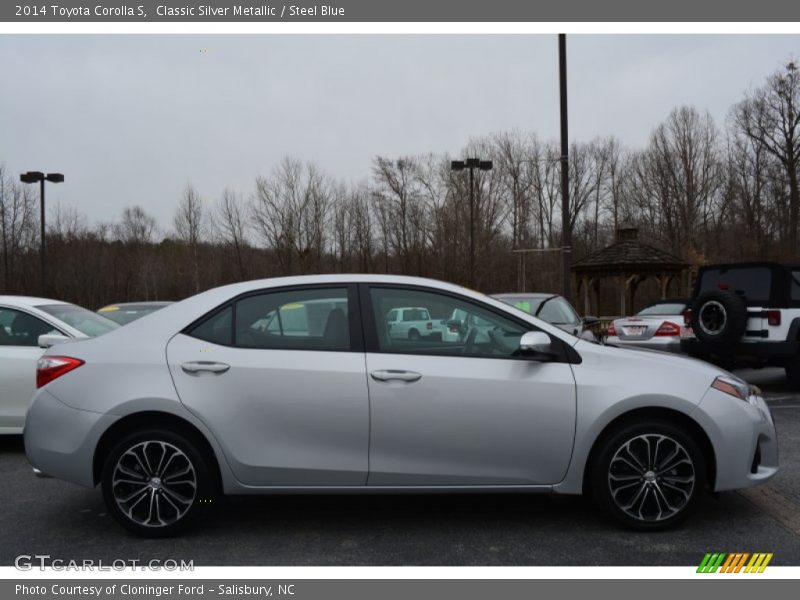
point(566, 228)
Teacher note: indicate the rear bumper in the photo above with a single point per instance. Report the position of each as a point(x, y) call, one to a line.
point(777, 351)
point(60, 440)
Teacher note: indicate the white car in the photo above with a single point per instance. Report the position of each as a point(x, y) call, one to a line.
point(22, 321)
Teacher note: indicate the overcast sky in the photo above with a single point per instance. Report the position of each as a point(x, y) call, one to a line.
point(131, 119)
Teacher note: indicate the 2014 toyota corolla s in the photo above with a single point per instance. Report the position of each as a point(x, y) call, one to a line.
point(298, 385)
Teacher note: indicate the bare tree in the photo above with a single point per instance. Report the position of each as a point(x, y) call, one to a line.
point(770, 115)
point(676, 182)
point(190, 226)
point(291, 210)
point(230, 226)
point(18, 228)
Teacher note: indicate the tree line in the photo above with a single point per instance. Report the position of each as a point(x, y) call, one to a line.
point(706, 191)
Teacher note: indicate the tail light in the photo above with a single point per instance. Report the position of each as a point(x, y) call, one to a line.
point(668, 329)
point(429, 325)
point(611, 330)
point(50, 368)
point(452, 328)
point(774, 317)
point(687, 317)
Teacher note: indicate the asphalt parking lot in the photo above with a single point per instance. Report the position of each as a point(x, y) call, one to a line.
point(45, 516)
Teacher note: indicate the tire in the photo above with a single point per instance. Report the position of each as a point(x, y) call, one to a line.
point(642, 496)
point(135, 488)
point(413, 335)
point(793, 372)
point(719, 319)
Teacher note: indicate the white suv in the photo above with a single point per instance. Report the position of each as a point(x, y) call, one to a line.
point(746, 314)
point(412, 323)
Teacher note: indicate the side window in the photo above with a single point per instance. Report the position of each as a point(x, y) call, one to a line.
point(442, 324)
point(311, 319)
point(392, 315)
point(217, 329)
point(21, 329)
point(795, 287)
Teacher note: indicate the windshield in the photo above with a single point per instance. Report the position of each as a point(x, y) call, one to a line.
point(665, 308)
point(85, 321)
point(553, 309)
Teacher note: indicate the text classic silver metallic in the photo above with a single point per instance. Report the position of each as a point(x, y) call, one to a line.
point(298, 385)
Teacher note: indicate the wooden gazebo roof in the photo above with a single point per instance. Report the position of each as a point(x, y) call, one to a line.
point(628, 256)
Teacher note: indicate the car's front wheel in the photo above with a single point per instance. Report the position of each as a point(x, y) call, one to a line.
point(649, 475)
point(155, 482)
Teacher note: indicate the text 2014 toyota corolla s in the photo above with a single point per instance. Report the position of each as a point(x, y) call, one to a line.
point(298, 385)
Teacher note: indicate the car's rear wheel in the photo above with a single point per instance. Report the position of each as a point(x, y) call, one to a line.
point(413, 335)
point(649, 475)
point(156, 482)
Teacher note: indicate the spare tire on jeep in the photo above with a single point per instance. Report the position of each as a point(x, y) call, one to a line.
point(719, 318)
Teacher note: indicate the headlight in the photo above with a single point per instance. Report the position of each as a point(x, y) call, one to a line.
point(733, 387)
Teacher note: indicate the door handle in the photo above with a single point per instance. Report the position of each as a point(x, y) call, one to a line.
point(394, 375)
point(205, 367)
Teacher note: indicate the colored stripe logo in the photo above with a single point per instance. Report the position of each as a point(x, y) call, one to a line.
point(735, 562)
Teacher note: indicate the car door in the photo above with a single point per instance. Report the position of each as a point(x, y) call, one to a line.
point(19, 351)
point(278, 376)
point(466, 412)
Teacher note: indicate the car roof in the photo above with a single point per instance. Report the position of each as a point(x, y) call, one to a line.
point(746, 265)
point(146, 304)
point(29, 301)
point(513, 295)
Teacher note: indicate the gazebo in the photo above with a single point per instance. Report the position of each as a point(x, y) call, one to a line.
point(628, 262)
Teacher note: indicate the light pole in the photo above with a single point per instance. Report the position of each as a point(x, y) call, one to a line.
point(566, 229)
point(471, 164)
point(33, 177)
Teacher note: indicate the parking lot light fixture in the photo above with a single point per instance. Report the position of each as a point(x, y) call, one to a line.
point(34, 177)
point(471, 164)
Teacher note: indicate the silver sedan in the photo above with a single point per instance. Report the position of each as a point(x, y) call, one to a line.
point(201, 399)
point(657, 327)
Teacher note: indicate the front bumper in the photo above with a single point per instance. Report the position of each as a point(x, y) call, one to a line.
point(743, 437)
point(60, 440)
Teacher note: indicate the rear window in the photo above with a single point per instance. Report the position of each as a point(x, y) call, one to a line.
point(85, 321)
point(753, 282)
point(664, 308)
point(416, 314)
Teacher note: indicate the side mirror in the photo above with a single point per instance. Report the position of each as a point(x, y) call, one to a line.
point(51, 339)
point(535, 342)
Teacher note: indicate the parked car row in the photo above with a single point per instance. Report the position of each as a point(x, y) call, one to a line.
point(364, 383)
